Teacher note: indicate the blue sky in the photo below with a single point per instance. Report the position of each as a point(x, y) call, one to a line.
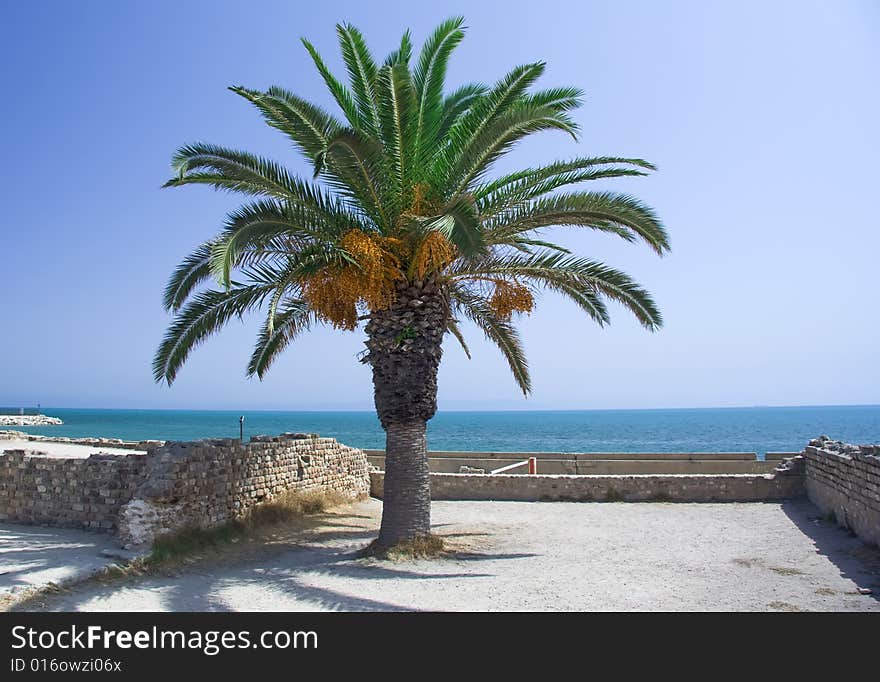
point(762, 118)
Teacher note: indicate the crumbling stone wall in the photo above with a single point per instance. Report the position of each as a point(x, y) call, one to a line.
point(67, 492)
point(207, 483)
point(202, 483)
point(845, 479)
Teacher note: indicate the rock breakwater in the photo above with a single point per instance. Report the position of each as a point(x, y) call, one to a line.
point(28, 420)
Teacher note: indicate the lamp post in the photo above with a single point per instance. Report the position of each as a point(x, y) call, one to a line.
point(241, 428)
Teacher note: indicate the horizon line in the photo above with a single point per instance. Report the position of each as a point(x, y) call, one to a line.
point(470, 410)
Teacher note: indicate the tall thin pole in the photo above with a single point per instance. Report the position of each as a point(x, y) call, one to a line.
point(241, 428)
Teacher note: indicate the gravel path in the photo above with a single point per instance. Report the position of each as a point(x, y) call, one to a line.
point(533, 556)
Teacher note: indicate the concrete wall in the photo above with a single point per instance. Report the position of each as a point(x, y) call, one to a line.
point(845, 479)
point(597, 463)
point(592, 464)
point(778, 456)
point(786, 482)
point(584, 456)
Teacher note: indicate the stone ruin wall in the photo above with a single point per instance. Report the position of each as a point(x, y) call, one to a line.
point(845, 480)
point(201, 483)
point(210, 482)
point(67, 492)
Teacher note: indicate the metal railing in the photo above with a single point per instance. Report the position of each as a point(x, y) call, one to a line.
point(532, 463)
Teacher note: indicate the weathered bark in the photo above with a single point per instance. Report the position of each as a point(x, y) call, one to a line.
point(404, 350)
point(406, 507)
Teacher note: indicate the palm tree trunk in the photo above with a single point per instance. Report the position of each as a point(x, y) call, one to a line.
point(404, 350)
point(406, 509)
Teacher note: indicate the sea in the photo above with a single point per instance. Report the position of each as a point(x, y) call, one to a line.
point(735, 429)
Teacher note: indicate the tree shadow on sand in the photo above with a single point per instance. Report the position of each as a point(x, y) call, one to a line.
point(31, 556)
point(282, 574)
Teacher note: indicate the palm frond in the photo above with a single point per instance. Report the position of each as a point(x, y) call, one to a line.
point(340, 93)
point(504, 94)
point(486, 109)
point(457, 104)
point(501, 332)
point(276, 334)
point(258, 223)
point(612, 212)
point(362, 72)
point(192, 271)
point(498, 137)
point(530, 183)
point(453, 328)
point(522, 244)
point(579, 278)
point(560, 99)
point(357, 169)
point(402, 54)
point(231, 170)
point(206, 314)
point(428, 79)
point(461, 225)
point(397, 114)
point(307, 125)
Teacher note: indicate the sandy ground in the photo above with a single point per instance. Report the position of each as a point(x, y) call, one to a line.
point(71, 450)
point(530, 556)
point(33, 557)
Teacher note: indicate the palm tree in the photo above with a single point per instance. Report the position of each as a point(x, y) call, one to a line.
point(402, 228)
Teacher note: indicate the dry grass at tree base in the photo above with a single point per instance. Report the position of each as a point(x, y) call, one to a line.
point(427, 547)
point(289, 507)
point(190, 545)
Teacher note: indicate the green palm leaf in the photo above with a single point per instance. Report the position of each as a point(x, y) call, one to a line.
point(307, 125)
point(206, 314)
point(453, 328)
point(468, 127)
point(277, 333)
point(232, 170)
point(613, 212)
point(581, 279)
point(498, 137)
point(402, 54)
point(501, 332)
point(530, 183)
point(358, 170)
point(406, 157)
point(340, 93)
point(397, 115)
point(428, 79)
point(456, 104)
point(362, 72)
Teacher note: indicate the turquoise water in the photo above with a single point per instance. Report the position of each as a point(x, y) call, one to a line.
point(747, 429)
